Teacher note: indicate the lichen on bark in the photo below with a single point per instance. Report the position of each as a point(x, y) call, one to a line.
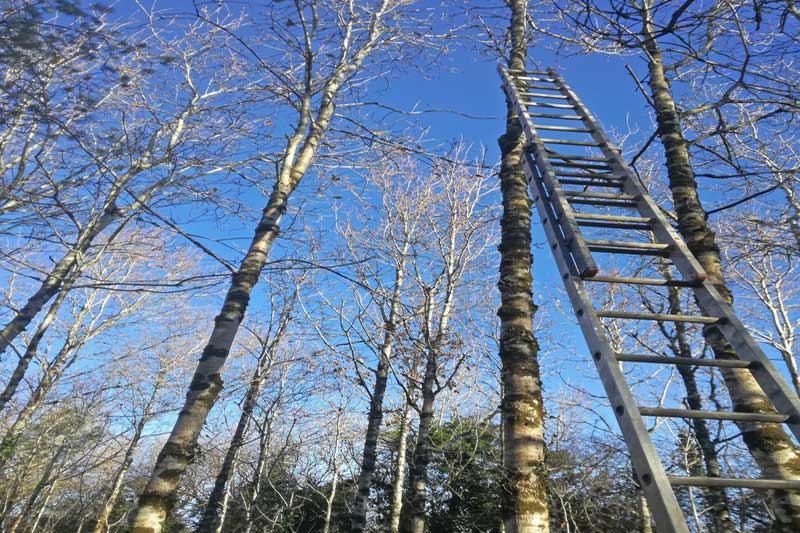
point(524, 499)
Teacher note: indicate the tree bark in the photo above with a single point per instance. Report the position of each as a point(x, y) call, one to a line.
point(326, 527)
point(774, 452)
point(644, 514)
point(421, 458)
point(398, 484)
point(716, 497)
point(524, 498)
point(214, 513)
point(358, 518)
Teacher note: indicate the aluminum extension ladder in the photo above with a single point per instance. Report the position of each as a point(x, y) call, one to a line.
point(545, 96)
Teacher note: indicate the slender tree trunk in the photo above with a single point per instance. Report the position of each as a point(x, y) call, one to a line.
point(773, 450)
point(421, 458)
point(644, 514)
point(44, 482)
point(358, 518)
point(255, 485)
point(43, 507)
point(264, 441)
point(179, 450)
point(49, 377)
point(398, 484)
point(524, 500)
point(214, 513)
point(716, 497)
point(101, 524)
point(334, 477)
point(33, 346)
point(54, 281)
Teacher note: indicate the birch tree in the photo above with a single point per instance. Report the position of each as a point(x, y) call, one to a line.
point(525, 488)
point(359, 31)
point(671, 40)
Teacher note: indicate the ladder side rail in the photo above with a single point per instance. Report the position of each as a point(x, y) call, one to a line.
point(660, 496)
point(662, 229)
point(582, 255)
point(777, 389)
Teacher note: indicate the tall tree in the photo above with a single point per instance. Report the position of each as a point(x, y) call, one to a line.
point(354, 32)
point(525, 483)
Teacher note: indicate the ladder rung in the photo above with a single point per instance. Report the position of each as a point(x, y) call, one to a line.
point(573, 143)
point(542, 95)
point(523, 72)
point(580, 165)
point(629, 250)
point(563, 128)
point(589, 175)
point(658, 317)
point(591, 223)
point(590, 183)
point(539, 87)
point(532, 78)
point(714, 415)
point(613, 218)
point(646, 281)
point(547, 104)
point(654, 246)
point(560, 117)
point(688, 361)
point(605, 203)
point(740, 483)
point(600, 195)
point(571, 157)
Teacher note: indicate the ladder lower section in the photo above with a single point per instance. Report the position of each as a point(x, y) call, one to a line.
point(605, 182)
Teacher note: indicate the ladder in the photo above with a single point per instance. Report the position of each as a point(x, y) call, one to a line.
point(566, 187)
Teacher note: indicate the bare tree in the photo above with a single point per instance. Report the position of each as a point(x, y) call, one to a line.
point(358, 31)
point(525, 490)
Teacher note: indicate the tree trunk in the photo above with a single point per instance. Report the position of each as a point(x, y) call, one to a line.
point(101, 524)
point(44, 482)
point(358, 518)
point(33, 347)
point(771, 447)
point(214, 513)
point(49, 377)
point(398, 484)
point(644, 514)
point(716, 497)
point(179, 450)
point(421, 458)
point(524, 497)
point(334, 477)
point(53, 283)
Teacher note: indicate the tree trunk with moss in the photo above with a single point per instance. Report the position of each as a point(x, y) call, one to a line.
point(524, 501)
point(300, 149)
point(771, 447)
